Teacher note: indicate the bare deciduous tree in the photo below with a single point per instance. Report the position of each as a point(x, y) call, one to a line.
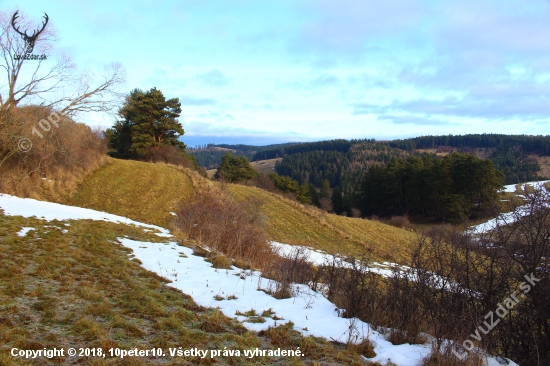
point(58, 86)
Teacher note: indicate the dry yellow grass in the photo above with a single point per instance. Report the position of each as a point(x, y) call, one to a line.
point(141, 191)
point(148, 192)
point(265, 166)
point(292, 223)
point(81, 289)
point(261, 166)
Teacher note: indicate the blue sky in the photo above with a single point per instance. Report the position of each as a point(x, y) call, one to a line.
point(263, 71)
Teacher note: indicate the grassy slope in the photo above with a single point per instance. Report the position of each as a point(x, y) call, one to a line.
point(80, 289)
point(292, 223)
point(148, 192)
point(141, 191)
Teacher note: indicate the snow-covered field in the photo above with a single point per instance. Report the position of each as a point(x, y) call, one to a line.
point(235, 289)
point(508, 218)
point(512, 187)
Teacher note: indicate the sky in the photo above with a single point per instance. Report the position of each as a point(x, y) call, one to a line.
point(263, 71)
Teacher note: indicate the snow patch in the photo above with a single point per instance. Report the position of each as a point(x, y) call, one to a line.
point(28, 207)
point(24, 231)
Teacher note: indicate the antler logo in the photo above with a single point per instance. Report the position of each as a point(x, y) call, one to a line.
point(29, 40)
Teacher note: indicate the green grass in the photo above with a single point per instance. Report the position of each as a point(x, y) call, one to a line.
point(82, 289)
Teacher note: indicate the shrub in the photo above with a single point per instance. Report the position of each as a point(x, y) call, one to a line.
point(223, 224)
point(235, 169)
point(170, 155)
point(288, 269)
point(59, 158)
point(401, 222)
point(219, 260)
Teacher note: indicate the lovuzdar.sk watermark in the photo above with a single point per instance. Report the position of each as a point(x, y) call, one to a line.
point(29, 39)
point(501, 311)
point(30, 57)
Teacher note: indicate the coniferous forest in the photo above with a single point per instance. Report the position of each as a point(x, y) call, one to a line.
point(453, 188)
point(404, 176)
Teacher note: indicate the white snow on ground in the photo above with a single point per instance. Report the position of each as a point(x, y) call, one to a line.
point(385, 269)
point(512, 187)
point(310, 312)
point(28, 207)
point(507, 218)
point(24, 231)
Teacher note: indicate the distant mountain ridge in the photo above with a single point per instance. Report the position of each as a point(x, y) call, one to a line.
point(210, 156)
point(343, 162)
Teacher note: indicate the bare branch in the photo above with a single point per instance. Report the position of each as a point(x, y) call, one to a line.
point(59, 87)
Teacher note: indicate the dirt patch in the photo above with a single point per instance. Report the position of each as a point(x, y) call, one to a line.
point(265, 166)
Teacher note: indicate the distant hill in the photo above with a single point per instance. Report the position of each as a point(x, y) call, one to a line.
point(342, 162)
point(522, 158)
point(210, 156)
point(518, 156)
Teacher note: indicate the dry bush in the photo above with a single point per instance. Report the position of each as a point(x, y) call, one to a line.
point(287, 269)
point(351, 286)
point(219, 260)
point(59, 158)
point(235, 228)
point(168, 155)
point(401, 222)
point(447, 358)
point(355, 212)
point(365, 348)
point(326, 204)
point(264, 182)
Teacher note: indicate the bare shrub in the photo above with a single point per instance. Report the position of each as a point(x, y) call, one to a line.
point(351, 286)
point(287, 269)
point(364, 348)
point(402, 222)
point(235, 228)
point(264, 182)
point(325, 204)
point(355, 212)
point(59, 158)
point(167, 154)
point(447, 358)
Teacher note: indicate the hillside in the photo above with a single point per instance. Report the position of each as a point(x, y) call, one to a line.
point(141, 191)
point(76, 283)
point(210, 156)
point(123, 305)
point(149, 192)
point(292, 223)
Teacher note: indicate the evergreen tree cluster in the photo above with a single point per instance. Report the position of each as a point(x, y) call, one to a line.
point(452, 188)
point(212, 158)
point(288, 185)
point(330, 145)
point(529, 144)
point(343, 169)
point(510, 152)
point(148, 120)
point(235, 169)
